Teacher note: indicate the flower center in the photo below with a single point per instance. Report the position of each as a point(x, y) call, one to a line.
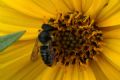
point(71, 38)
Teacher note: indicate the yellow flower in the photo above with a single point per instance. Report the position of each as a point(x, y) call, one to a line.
point(29, 15)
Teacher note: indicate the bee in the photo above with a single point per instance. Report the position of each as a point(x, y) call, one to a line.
point(45, 49)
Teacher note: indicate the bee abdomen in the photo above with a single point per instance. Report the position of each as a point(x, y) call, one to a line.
point(47, 59)
point(46, 56)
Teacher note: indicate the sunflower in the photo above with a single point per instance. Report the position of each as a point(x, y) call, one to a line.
point(82, 34)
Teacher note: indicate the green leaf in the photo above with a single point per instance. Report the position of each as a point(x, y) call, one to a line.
point(7, 40)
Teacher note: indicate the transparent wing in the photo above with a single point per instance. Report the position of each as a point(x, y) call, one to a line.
point(34, 55)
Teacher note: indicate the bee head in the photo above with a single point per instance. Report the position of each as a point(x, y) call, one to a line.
point(47, 27)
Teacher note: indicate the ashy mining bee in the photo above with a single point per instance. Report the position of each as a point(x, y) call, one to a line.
point(45, 49)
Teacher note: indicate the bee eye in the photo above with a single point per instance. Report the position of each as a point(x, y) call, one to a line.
point(44, 37)
point(47, 27)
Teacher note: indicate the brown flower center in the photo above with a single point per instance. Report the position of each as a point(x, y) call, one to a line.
point(74, 39)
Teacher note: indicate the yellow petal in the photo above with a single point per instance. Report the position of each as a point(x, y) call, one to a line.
point(76, 73)
point(69, 4)
point(13, 17)
point(59, 76)
point(16, 63)
point(95, 7)
point(11, 67)
point(28, 7)
point(112, 56)
point(77, 5)
point(46, 5)
point(31, 32)
point(86, 5)
point(88, 74)
point(49, 73)
point(15, 58)
point(76, 70)
point(18, 49)
point(110, 28)
point(60, 5)
point(110, 9)
point(113, 20)
point(113, 44)
point(108, 69)
point(81, 75)
point(99, 74)
point(36, 71)
point(68, 73)
point(112, 34)
point(27, 69)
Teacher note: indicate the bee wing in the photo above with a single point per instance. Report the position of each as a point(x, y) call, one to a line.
point(34, 55)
